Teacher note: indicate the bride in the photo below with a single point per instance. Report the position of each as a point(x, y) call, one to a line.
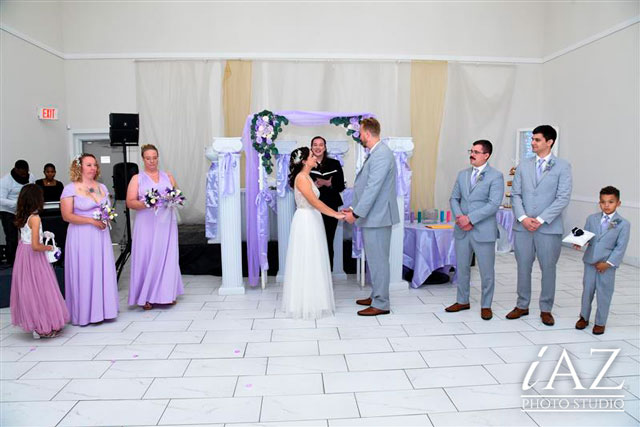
point(308, 289)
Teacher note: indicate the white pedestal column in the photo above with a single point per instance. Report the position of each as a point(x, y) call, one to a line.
point(338, 149)
point(230, 219)
point(286, 206)
point(212, 156)
point(397, 232)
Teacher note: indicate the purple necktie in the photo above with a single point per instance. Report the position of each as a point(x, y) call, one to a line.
point(539, 170)
point(605, 223)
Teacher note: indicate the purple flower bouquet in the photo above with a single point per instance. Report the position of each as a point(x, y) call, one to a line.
point(173, 197)
point(106, 214)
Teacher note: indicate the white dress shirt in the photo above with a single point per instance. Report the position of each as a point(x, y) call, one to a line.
point(9, 191)
point(545, 160)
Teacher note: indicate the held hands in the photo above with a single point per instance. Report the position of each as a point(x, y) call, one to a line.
point(531, 224)
point(463, 222)
point(602, 266)
point(348, 216)
point(339, 215)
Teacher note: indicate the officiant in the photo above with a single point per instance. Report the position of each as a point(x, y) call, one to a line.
point(329, 178)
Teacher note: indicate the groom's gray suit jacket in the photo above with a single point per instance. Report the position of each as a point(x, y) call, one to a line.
point(374, 191)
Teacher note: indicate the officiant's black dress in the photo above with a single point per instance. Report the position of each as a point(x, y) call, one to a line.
point(330, 196)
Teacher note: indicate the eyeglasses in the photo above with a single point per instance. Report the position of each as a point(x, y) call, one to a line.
point(475, 152)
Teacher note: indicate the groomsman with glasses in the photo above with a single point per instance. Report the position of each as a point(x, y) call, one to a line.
point(475, 199)
point(540, 193)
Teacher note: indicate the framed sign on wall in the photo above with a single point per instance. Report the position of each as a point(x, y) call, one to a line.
point(523, 144)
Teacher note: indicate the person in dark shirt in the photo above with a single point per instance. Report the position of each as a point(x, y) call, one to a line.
point(51, 187)
point(329, 178)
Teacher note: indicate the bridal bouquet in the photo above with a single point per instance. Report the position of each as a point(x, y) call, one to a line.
point(152, 199)
point(173, 197)
point(106, 214)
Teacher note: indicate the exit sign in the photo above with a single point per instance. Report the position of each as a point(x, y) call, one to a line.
point(47, 113)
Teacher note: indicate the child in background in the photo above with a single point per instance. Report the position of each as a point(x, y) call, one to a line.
point(36, 303)
point(601, 259)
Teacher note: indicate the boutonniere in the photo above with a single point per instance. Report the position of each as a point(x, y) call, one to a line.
point(549, 165)
point(614, 223)
point(479, 178)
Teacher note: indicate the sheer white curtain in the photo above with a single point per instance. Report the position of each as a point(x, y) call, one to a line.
point(484, 102)
point(180, 106)
point(380, 88)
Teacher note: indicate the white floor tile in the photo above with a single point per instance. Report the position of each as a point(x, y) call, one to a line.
point(283, 324)
point(306, 364)
point(189, 337)
point(191, 387)
point(236, 336)
point(499, 417)
point(103, 338)
point(372, 332)
point(79, 369)
point(62, 353)
point(425, 343)
point(348, 382)
point(33, 413)
point(309, 407)
point(462, 357)
point(583, 419)
point(381, 403)
point(146, 369)
point(115, 412)
point(372, 345)
point(105, 389)
point(159, 325)
point(135, 352)
point(400, 421)
point(14, 370)
point(207, 351)
point(384, 361)
point(565, 336)
point(29, 390)
point(279, 385)
point(418, 330)
point(450, 377)
point(226, 367)
point(493, 396)
point(267, 349)
point(217, 410)
point(305, 334)
point(501, 339)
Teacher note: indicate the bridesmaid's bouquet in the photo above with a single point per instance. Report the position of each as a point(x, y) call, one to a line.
point(152, 199)
point(173, 197)
point(106, 214)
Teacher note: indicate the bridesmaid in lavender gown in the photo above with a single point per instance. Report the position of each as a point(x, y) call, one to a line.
point(155, 273)
point(91, 287)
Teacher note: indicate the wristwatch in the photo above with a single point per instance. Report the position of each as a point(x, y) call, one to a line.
point(353, 213)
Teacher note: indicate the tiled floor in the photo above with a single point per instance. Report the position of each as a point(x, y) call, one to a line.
point(234, 360)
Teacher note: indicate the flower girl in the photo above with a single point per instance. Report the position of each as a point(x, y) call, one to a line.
point(36, 303)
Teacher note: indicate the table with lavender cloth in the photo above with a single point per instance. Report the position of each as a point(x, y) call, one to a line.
point(427, 250)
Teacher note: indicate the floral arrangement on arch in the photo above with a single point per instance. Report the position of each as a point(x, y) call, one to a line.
point(265, 128)
point(352, 124)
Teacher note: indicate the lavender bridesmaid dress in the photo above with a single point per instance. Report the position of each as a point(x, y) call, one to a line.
point(155, 273)
point(91, 287)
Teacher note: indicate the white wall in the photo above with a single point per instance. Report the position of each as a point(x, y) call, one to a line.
point(31, 78)
point(593, 95)
point(471, 28)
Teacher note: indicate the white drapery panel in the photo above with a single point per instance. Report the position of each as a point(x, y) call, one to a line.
point(484, 102)
point(379, 88)
point(180, 107)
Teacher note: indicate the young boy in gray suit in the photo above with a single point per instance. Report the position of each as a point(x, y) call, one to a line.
point(604, 254)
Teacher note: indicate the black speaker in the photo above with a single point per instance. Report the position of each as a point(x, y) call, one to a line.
point(124, 129)
point(119, 184)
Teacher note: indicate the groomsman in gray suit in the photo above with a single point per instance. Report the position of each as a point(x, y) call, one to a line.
point(475, 199)
point(540, 192)
point(602, 258)
point(375, 210)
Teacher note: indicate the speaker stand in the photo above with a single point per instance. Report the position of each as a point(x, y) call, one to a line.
point(124, 255)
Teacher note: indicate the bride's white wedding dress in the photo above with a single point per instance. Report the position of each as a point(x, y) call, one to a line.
point(308, 288)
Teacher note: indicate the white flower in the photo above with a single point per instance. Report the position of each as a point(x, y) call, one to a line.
point(153, 201)
point(261, 128)
point(265, 118)
point(350, 127)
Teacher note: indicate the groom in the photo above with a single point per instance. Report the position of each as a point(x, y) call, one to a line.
point(375, 210)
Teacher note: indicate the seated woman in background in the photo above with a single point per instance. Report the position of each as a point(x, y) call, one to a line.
point(51, 187)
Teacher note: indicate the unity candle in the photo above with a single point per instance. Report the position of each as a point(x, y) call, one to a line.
point(419, 217)
point(441, 216)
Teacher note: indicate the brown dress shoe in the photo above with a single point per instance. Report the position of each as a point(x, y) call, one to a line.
point(581, 323)
point(598, 330)
point(372, 311)
point(457, 307)
point(516, 313)
point(547, 318)
point(486, 313)
point(366, 301)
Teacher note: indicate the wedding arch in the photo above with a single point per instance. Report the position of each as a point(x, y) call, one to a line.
point(258, 139)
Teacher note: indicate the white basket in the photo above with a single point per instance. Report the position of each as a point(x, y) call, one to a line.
point(54, 254)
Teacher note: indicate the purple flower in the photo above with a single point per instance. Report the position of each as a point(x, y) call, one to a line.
point(356, 134)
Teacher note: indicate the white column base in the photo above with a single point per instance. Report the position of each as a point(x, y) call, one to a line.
point(396, 286)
